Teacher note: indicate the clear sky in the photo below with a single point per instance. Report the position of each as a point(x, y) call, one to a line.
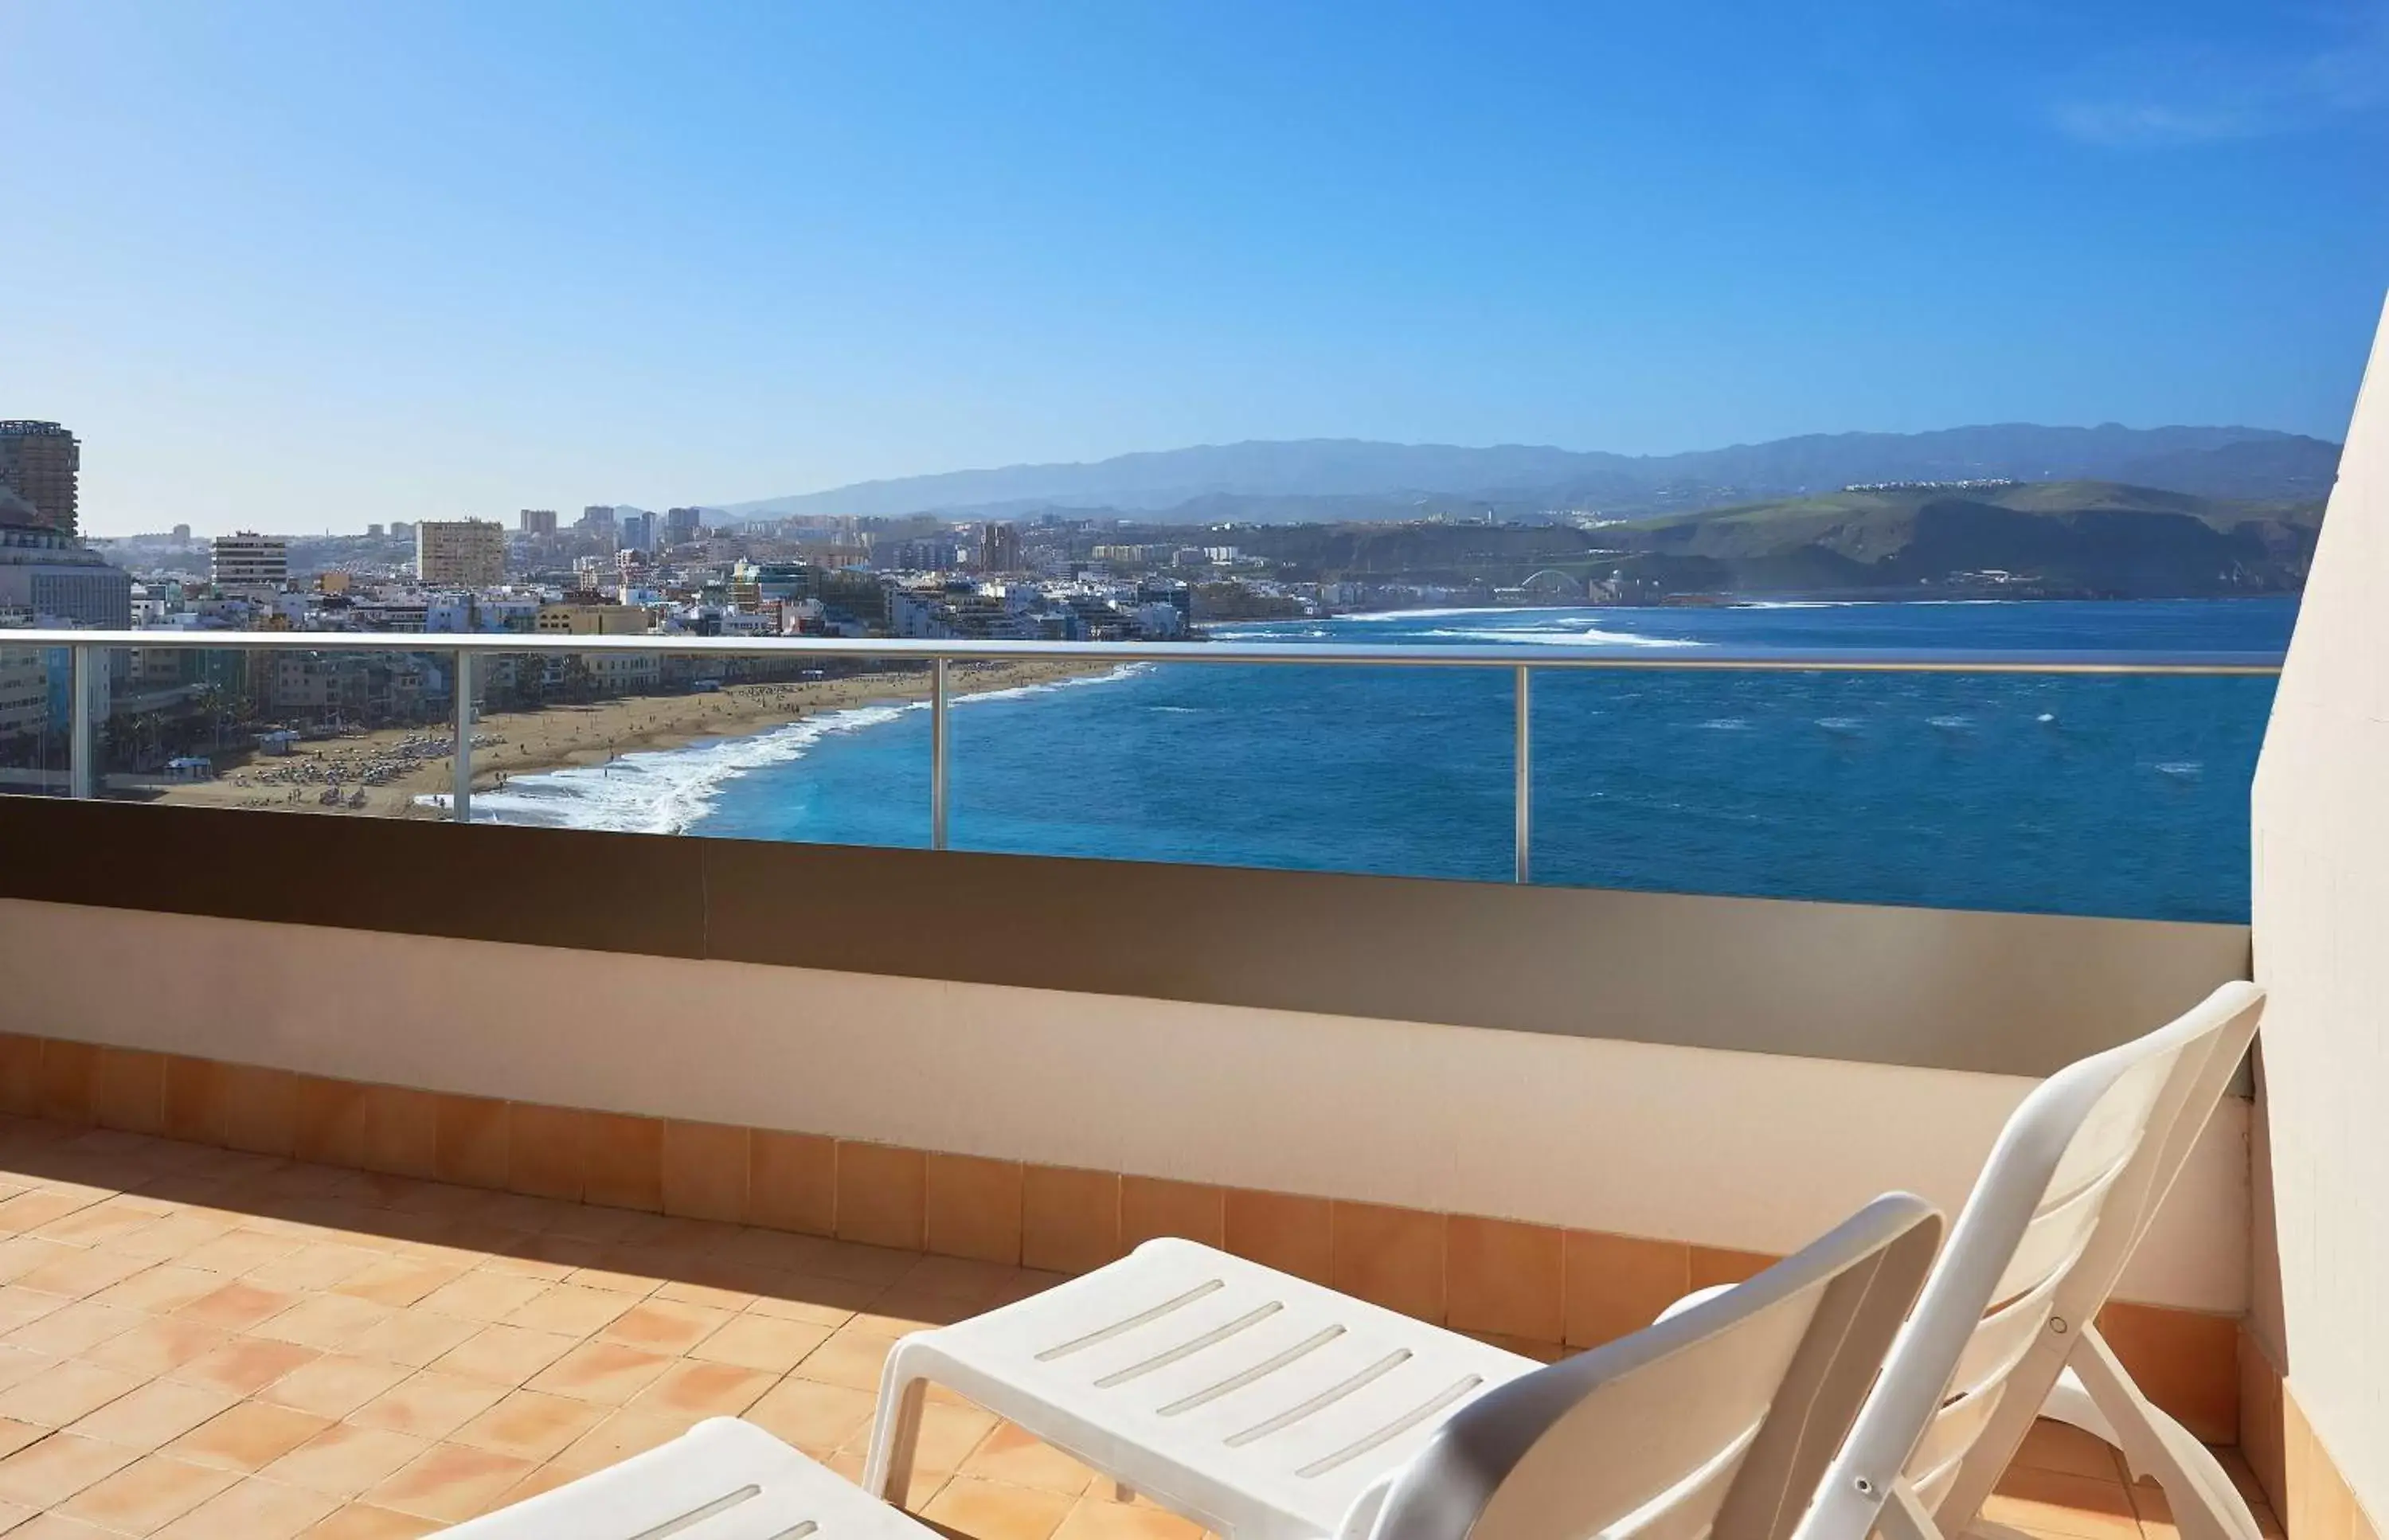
point(302, 265)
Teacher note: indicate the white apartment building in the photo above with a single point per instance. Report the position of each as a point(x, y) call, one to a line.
point(467, 552)
point(249, 564)
point(58, 580)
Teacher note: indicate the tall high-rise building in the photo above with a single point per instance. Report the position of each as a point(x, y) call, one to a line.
point(465, 552)
point(538, 521)
point(681, 525)
point(248, 566)
point(39, 462)
point(597, 519)
point(638, 531)
point(999, 548)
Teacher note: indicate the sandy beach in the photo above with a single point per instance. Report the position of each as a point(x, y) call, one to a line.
point(381, 773)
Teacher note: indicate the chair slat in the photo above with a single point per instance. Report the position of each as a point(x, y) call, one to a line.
point(2112, 1128)
point(2053, 1240)
point(2005, 1336)
point(1954, 1429)
point(1687, 1511)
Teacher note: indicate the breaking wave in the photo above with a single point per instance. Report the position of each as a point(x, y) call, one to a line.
point(669, 791)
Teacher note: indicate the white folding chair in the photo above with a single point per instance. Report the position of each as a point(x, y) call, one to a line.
point(2070, 1188)
point(1267, 1408)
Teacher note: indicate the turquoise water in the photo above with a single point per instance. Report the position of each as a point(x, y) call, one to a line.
point(2117, 796)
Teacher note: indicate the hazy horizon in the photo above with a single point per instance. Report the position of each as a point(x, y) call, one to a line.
point(289, 267)
point(569, 514)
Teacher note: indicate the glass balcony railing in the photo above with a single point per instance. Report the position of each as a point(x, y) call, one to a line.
point(2066, 781)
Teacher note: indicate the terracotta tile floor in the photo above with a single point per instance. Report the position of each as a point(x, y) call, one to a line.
point(197, 1344)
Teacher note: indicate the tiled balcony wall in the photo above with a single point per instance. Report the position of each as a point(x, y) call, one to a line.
point(1740, 1151)
point(1522, 1282)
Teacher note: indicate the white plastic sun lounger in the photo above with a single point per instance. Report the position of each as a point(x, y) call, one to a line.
point(722, 1480)
point(2069, 1190)
point(1722, 1420)
point(1266, 1408)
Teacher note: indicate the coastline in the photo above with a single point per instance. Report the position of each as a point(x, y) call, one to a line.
point(659, 763)
point(561, 737)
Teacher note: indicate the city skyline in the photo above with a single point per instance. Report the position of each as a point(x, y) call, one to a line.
point(304, 268)
point(1509, 482)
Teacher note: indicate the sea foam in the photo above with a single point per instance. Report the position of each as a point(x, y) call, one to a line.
point(669, 791)
point(662, 791)
point(1561, 636)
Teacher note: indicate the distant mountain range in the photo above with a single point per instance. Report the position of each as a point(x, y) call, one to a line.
point(1331, 481)
point(2040, 539)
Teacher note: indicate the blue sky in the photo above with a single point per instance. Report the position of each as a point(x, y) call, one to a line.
point(300, 266)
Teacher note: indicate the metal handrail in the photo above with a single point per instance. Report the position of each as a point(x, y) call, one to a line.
point(1313, 655)
point(1522, 663)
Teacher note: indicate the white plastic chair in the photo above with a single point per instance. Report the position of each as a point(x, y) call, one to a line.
point(1266, 1408)
point(722, 1480)
point(2069, 1190)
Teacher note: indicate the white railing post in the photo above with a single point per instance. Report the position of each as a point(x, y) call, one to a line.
point(1522, 791)
point(83, 728)
point(460, 799)
point(938, 743)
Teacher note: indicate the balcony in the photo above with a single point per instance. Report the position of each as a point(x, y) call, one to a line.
point(369, 1174)
point(210, 1341)
point(713, 1119)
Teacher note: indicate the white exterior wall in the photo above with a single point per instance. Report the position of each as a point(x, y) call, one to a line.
point(2321, 821)
point(1749, 1151)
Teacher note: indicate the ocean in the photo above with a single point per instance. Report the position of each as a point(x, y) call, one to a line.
point(2106, 796)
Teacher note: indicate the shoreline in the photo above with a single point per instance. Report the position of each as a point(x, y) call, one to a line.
point(377, 766)
point(1826, 599)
